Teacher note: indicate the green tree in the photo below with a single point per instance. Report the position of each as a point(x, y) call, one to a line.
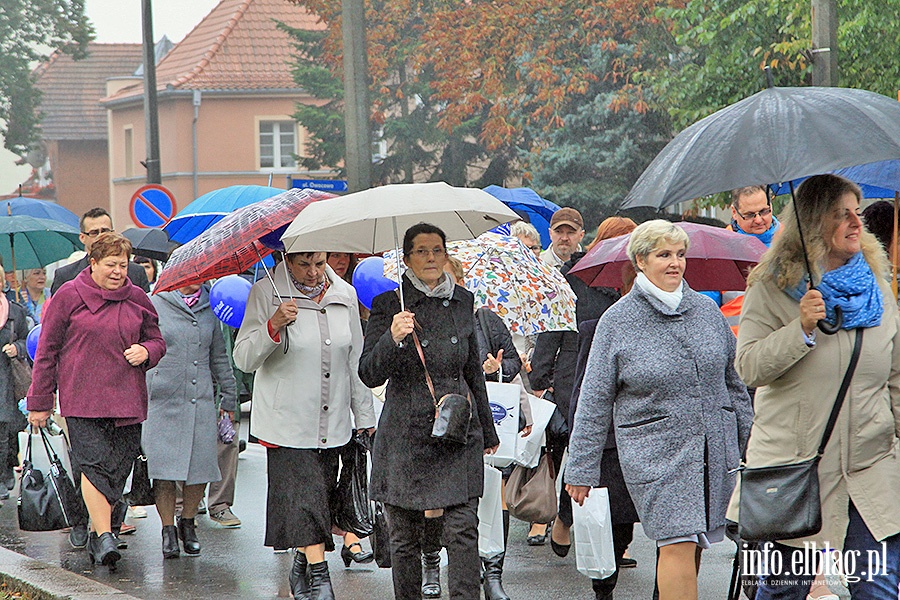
point(592, 161)
point(27, 27)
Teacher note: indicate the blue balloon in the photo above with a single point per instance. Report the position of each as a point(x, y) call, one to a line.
point(369, 280)
point(31, 342)
point(228, 298)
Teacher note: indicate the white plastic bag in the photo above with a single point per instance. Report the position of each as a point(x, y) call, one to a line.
point(504, 400)
point(490, 515)
point(528, 449)
point(592, 529)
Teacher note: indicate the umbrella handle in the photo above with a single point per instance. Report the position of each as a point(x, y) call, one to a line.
point(829, 328)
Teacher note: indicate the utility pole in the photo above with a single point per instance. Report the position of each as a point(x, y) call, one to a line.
point(151, 115)
point(824, 42)
point(357, 128)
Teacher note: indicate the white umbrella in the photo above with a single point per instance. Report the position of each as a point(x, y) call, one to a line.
point(373, 220)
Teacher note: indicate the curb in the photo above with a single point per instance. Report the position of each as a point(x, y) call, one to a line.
point(44, 581)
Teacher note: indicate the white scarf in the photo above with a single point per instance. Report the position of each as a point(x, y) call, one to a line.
point(443, 289)
point(670, 299)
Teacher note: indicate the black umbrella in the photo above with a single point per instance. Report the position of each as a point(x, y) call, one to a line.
point(152, 243)
point(774, 136)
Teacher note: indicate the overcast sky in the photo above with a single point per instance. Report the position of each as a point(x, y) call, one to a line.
point(120, 20)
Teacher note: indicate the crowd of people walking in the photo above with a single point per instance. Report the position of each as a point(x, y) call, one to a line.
point(662, 395)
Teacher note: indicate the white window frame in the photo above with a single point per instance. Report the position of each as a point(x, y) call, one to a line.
point(277, 121)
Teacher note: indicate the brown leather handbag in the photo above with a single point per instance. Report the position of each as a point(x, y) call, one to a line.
point(531, 493)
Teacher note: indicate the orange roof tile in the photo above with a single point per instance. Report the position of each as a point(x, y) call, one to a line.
point(72, 90)
point(237, 46)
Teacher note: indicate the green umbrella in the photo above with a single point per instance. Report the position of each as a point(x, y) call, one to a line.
point(29, 243)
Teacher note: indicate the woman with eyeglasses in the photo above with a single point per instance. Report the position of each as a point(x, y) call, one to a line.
point(411, 471)
point(304, 340)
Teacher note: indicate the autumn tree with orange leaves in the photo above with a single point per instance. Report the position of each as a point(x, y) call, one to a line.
point(456, 84)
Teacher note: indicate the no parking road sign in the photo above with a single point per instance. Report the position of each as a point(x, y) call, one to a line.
point(152, 206)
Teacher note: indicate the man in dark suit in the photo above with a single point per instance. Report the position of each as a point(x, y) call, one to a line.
point(93, 223)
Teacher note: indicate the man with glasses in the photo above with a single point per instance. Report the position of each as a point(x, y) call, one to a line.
point(93, 223)
point(751, 213)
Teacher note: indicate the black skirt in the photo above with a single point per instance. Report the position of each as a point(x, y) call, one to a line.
point(104, 453)
point(301, 482)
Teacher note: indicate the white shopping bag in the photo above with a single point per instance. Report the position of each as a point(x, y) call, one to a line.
point(592, 529)
point(490, 515)
point(528, 450)
point(504, 399)
point(58, 443)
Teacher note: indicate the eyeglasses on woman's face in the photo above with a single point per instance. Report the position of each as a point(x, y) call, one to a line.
point(425, 252)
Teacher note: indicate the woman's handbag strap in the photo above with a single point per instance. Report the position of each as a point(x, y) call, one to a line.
point(842, 392)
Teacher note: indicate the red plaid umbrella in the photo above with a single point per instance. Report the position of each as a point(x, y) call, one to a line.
point(716, 260)
point(232, 245)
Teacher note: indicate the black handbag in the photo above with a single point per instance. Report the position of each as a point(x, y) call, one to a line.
point(47, 501)
point(141, 493)
point(381, 537)
point(782, 502)
point(452, 412)
point(350, 506)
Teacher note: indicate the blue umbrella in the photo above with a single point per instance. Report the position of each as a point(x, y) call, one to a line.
point(40, 209)
point(528, 205)
point(877, 180)
point(210, 208)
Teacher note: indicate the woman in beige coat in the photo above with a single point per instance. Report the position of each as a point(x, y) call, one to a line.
point(797, 375)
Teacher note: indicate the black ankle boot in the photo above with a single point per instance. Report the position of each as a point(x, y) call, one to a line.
point(102, 549)
point(188, 533)
point(320, 582)
point(431, 574)
point(493, 572)
point(299, 577)
point(170, 542)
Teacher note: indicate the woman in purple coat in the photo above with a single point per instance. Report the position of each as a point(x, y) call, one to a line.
point(100, 335)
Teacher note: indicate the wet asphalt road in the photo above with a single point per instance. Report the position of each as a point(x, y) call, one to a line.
point(234, 564)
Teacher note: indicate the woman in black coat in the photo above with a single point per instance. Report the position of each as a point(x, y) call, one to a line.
point(13, 331)
point(411, 471)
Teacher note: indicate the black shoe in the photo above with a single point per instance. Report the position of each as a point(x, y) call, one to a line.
point(170, 542)
point(187, 532)
point(11, 481)
point(102, 549)
point(299, 577)
point(540, 540)
point(78, 536)
point(561, 550)
point(431, 574)
point(493, 572)
point(627, 563)
point(320, 582)
point(361, 557)
point(242, 445)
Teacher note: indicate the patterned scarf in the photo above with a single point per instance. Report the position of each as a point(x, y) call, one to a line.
point(854, 288)
point(310, 292)
point(191, 299)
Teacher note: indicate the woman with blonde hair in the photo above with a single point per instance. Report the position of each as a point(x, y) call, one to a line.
point(797, 374)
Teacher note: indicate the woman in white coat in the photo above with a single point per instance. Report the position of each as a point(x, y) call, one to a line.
point(304, 341)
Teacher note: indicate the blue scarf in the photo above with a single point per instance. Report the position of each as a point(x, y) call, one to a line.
point(766, 236)
point(853, 287)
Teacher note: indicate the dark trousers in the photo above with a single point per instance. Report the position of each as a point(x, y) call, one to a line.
point(622, 536)
point(460, 538)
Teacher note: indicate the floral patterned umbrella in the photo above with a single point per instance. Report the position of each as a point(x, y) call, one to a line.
point(506, 277)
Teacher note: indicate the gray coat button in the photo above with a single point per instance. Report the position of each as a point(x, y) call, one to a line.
point(193, 401)
point(446, 303)
point(194, 381)
point(327, 342)
point(454, 339)
point(424, 343)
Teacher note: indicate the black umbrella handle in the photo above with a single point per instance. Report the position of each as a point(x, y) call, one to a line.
point(832, 328)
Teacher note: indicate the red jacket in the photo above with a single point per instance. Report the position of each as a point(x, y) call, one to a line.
point(84, 334)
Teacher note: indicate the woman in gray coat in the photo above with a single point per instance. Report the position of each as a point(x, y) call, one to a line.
point(179, 435)
point(661, 370)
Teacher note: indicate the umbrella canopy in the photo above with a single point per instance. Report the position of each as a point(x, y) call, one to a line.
point(717, 260)
point(151, 242)
point(529, 295)
point(529, 205)
point(877, 180)
point(41, 209)
point(370, 221)
point(232, 245)
point(29, 243)
point(210, 208)
point(776, 135)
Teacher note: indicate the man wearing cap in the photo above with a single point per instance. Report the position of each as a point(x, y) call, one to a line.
point(566, 233)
